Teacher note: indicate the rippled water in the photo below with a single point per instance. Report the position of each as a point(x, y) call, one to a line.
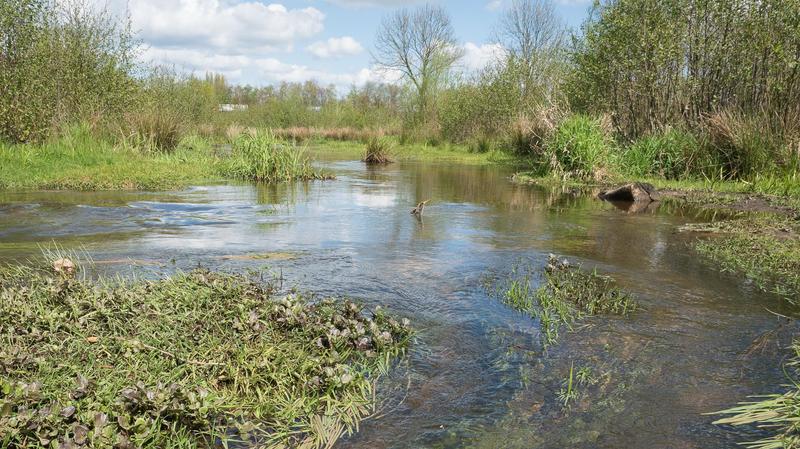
point(477, 376)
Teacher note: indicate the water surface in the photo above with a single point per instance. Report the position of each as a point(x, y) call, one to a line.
point(477, 376)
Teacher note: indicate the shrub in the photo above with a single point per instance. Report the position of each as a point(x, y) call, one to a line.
point(580, 147)
point(378, 151)
point(260, 157)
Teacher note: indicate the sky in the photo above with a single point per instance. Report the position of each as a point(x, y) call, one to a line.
point(266, 42)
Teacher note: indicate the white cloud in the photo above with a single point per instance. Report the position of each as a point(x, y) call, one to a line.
point(362, 3)
point(477, 57)
point(494, 5)
point(336, 47)
point(248, 25)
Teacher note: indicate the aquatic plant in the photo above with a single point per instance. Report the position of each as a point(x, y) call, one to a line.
point(567, 293)
point(765, 249)
point(779, 412)
point(259, 156)
point(378, 151)
point(183, 361)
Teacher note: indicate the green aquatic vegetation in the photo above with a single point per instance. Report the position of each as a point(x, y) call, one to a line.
point(186, 361)
point(259, 156)
point(778, 412)
point(765, 249)
point(566, 294)
point(378, 151)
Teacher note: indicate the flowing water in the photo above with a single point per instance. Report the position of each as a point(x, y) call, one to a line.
point(477, 375)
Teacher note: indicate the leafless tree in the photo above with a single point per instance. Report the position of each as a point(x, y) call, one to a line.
point(533, 35)
point(421, 45)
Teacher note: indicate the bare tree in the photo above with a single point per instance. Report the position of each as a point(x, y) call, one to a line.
point(533, 35)
point(421, 45)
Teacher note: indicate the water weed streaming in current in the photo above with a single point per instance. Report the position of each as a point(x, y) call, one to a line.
point(566, 294)
point(186, 361)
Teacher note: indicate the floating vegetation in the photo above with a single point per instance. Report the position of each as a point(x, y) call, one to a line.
point(765, 249)
point(567, 293)
point(378, 151)
point(779, 412)
point(194, 360)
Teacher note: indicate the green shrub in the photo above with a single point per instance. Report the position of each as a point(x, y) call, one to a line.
point(580, 147)
point(260, 157)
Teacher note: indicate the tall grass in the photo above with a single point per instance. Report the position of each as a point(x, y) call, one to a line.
point(581, 147)
point(378, 151)
point(261, 157)
point(672, 154)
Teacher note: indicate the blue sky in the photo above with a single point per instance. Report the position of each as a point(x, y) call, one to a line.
point(267, 42)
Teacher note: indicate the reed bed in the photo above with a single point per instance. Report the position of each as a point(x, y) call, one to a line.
point(378, 151)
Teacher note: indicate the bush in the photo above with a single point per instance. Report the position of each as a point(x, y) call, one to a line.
point(580, 147)
point(260, 157)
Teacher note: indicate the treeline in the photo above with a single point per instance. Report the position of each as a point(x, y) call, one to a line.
point(674, 88)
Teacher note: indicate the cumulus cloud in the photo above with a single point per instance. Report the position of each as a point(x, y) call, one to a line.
point(477, 57)
point(336, 47)
point(362, 3)
point(248, 25)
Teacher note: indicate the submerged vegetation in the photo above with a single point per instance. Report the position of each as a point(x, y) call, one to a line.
point(766, 249)
point(566, 295)
point(185, 361)
point(780, 413)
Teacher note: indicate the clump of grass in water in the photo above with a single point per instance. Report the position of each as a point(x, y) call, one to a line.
point(259, 156)
point(182, 362)
point(780, 412)
point(567, 293)
point(378, 151)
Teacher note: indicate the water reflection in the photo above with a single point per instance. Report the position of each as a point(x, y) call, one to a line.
point(478, 375)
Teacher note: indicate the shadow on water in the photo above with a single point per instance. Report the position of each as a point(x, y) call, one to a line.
point(477, 375)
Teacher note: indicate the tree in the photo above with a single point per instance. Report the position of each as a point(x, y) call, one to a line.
point(533, 36)
point(421, 45)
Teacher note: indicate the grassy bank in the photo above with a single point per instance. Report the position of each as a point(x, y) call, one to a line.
point(182, 362)
point(421, 152)
point(82, 161)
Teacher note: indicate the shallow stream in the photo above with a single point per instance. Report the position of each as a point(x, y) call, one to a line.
point(477, 374)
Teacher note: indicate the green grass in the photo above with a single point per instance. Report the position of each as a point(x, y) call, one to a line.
point(79, 161)
point(378, 151)
point(259, 156)
point(780, 413)
point(766, 249)
point(567, 294)
point(181, 361)
point(461, 154)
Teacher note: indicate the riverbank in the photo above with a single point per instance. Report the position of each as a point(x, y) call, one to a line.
point(81, 161)
point(181, 361)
